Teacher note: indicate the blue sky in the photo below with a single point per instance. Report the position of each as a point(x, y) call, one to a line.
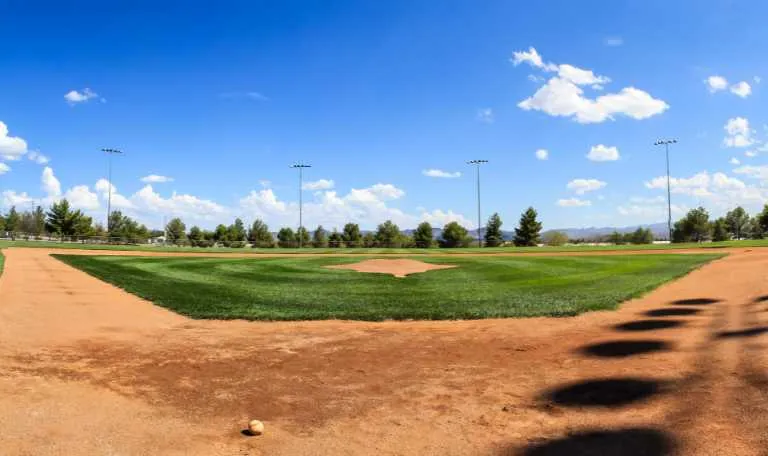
point(221, 100)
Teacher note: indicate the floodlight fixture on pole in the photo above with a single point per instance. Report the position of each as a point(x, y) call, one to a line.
point(110, 153)
point(300, 167)
point(666, 143)
point(477, 164)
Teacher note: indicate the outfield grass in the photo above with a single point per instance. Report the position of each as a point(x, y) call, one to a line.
point(2, 262)
point(301, 289)
point(386, 251)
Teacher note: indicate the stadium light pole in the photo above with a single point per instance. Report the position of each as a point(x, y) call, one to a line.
point(300, 167)
point(110, 153)
point(477, 164)
point(666, 143)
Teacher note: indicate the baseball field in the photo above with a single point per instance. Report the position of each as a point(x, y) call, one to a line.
point(130, 352)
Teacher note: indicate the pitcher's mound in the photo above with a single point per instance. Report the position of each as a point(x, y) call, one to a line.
point(398, 268)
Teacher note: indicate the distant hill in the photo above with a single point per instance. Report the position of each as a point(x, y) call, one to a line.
point(659, 230)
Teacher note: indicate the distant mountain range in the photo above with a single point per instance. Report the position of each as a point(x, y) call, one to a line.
point(659, 231)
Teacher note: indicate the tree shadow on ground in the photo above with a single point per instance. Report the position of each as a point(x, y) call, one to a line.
point(742, 333)
point(695, 301)
point(624, 348)
point(620, 442)
point(672, 312)
point(610, 392)
point(648, 325)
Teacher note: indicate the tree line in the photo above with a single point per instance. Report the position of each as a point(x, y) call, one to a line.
point(62, 221)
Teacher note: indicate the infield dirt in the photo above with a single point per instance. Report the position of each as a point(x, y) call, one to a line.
point(86, 369)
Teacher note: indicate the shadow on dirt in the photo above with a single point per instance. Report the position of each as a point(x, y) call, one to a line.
point(621, 442)
point(742, 333)
point(648, 325)
point(672, 312)
point(624, 348)
point(761, 298)
point(610, 392)
point(695, 301)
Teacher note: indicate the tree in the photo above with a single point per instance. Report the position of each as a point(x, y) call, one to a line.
point(736, 222)
point(493, 236)
point(388, 235)
point(125, 229)
point(455, 235)
point(175, 231)
point(196, 237)
point(694, 227)
point(320, 238)
point(554, 238)
point(286, 238)
point(13, 220)
point(237, 233)
point(60, 219)
point(754, 230)
point(39, 221)
point(221, 234)
point(336, 240)
point(259, 235)
point(641, 236)
point(302, 237)
point(351, 235)
point(762, 219)
point(422, 237)
point(720, 230)
point(369, 240)
point(527, 233)
point(615, 238)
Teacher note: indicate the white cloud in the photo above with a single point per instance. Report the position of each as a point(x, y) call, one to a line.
point(4, 168)
point(38, 158)
point(734, 161)
point(11, 198)
point(750, 153)
point(254, 96)
point(717, 189)
point(738, 133)
point(74, 97)
point(532, 57)
point(757, 79)
point(81, 197)
point(601, 153)
point(573, 202)
point(11, 147)
point(439, 218)
point(716, 83)
point(542, 154)
point(582, 186)
point(742, 89)
point(440, 173)
point(156, 179)
point(116, 200)
point(650, 211)
point(321, 184)
point(485, 115)
point(756, 172)
point(613, 41)
point(563, 96)
point(178, 205)
point(50, 184)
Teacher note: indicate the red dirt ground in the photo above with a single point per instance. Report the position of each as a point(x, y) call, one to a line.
point(86, 369)
point(398, 267)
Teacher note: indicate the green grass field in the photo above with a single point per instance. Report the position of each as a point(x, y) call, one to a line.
point(385, 251)
point(2, 262)
point(301, 289)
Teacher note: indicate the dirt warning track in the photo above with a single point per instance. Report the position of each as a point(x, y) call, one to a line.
point(86, 369)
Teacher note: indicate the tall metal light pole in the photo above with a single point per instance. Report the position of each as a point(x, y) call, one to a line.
point(477, 164)
point(110, 153)
point(300, 167)
point(666, 143)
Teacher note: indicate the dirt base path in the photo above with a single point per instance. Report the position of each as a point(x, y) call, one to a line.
point(86, 369)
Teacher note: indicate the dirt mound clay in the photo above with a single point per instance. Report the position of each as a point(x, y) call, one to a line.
point(398, 268)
